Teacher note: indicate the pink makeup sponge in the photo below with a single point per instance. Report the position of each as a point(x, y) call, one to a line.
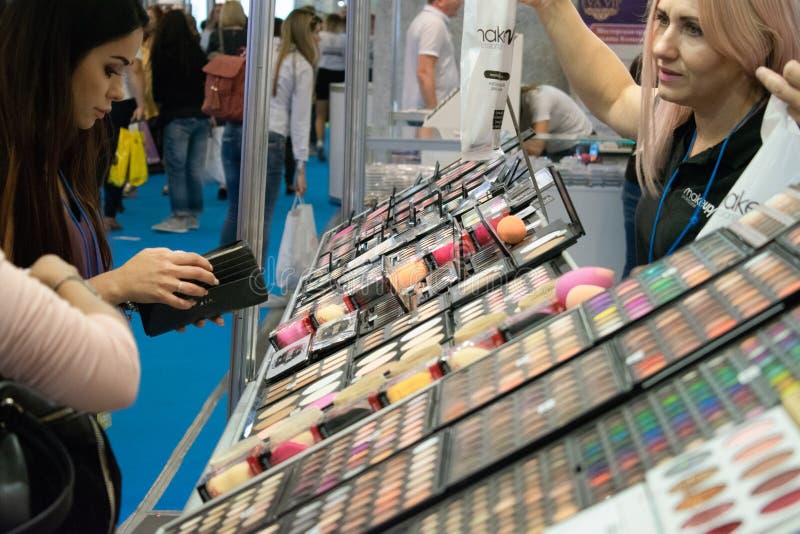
point(590, 276)
point(286, 450)
point(581, 293)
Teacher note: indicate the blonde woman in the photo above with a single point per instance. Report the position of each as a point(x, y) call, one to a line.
point(292, 85)
point(708, 68)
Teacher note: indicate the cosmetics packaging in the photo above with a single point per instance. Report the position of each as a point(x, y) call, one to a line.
point(366, 289)
point(288, 359)
point(761, 225)
point(335, 334)
point(405, 385)
point(791, 240)
point(486, 55)
point(381, 312)
point(292, 331)
point(485, 279)
point(408, 274)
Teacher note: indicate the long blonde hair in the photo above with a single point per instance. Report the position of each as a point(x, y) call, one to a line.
point(297, 31)
point(750, 32)
point(232, 15)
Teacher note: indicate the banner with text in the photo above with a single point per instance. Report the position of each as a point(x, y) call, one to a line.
point(616, 22)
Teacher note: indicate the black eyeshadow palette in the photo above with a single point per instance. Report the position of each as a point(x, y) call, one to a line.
point(660, 283)
point(371, 442)
point(534, 411)
point(275, 390)
point(556, 341)
point(708, 314)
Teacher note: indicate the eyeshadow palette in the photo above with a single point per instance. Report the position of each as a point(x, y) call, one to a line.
point(526, 497)
point(367, 444)
point(747, 479)
point(506, 368)
point(506, 297)
point(791, 240)
point(435, 330)
point(660, 282)
point(489, 277)
point(288, 359)
point(708, 314)
point(765, 222)
point(531, 413)
point(244, 510)
point(335, 365)
point(400, 326)
point(334, 334)
point(375, 496)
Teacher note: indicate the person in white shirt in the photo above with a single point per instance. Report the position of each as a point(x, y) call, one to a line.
point(430, 71)
point(290, 105)
point(332, 44)
point(549, 110)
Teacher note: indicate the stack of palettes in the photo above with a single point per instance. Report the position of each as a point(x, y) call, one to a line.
point(494, 410)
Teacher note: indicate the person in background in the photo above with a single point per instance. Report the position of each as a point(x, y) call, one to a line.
point(430, 70)
point(290, 112)
point(130, 109)
point(96, 367)
point(232, 30)
point(209, 26)
point(549, 110)
point(179, 88)
point(52, 146)
point(332, 44)
point(631, 192)
point(708, 67)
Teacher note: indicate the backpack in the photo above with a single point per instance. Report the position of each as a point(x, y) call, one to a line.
point(225, 85)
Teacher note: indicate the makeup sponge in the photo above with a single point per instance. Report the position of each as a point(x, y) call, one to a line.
point(477, 326)
point(329, 312)
point(408, 274)
point(511, 229)
point(591, 276)
point(580, 294)
point(286, 450)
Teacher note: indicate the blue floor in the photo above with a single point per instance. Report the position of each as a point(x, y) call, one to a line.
point(179, 371)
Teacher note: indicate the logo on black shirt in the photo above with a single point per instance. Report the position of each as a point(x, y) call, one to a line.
point(693, 199)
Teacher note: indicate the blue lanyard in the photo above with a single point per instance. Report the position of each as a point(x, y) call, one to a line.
point(89, 242)
point(695, 218)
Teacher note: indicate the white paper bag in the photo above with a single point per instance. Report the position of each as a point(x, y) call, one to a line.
point(214, 172)
point(298, 245)
point(775, 166)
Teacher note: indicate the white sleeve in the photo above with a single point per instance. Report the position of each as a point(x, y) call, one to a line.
point(542, 104)
point(300, 115)
point(432, 38)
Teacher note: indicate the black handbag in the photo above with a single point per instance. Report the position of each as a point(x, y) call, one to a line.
point(57, 470)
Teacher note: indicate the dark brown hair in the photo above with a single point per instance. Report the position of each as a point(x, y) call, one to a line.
point(41, 44)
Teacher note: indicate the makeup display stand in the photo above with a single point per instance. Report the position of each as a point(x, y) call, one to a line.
point(670, 401)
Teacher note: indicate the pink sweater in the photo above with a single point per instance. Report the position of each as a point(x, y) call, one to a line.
point(88, 362)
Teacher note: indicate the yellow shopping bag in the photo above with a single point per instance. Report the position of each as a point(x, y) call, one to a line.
point(130, 164)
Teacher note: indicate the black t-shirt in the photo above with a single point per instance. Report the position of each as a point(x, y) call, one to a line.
point(687, 189)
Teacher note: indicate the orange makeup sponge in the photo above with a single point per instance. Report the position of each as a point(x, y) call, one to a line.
point(511, 229)
point(581, 293)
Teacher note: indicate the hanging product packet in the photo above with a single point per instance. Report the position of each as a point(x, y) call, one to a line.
point(772, 169)
point(486, 56)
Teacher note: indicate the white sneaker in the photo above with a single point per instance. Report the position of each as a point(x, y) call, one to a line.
point(172, 225)
point(192, 223)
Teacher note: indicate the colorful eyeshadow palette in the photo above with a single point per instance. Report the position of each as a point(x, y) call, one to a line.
point(791, 240)
point(375, 496)
point(505, 298)
point(708, 314)
point(241, 511)
point(505, 369)
point(400, 326)
point(526, 497)
point(531, 413)
point(660, 282)
point(434, 331)
point(367, 444)
point(334, 365)
point(745, 480)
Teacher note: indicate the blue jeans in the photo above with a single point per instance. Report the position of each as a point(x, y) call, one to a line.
point(231, 162)
point(185, 143)
point(630, 199)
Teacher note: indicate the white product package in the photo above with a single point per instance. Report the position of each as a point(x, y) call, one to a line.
point(486, 57)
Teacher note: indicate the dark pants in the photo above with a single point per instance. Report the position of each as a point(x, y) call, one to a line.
point(289, 164)
point(121, 113)
point(631, 192)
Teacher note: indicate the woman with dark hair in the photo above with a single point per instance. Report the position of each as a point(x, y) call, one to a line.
point(178, 87)
point(60, 69)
